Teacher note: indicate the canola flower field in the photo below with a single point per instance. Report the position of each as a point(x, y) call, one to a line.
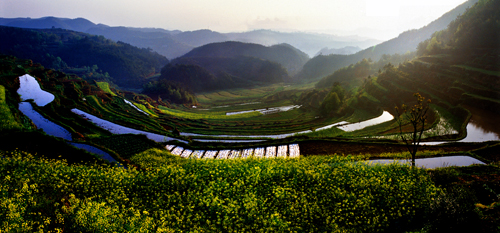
point(307, 194)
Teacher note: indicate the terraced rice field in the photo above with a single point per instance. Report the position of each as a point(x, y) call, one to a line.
point(259, 152)
point(197, 154)
point(135, 107)
point(271, 152)
point(210, 154)
point(282, 151)
point(294, 151)
point(247, 153)
point(177, 151)
point(186, 153)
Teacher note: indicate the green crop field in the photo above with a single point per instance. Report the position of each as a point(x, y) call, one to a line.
point(105, 87)
point(211, 115)
point(242, 95)
point(145, 109)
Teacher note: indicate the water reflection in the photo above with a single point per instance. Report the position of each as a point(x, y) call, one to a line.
point(30, 89)
point(95, 150)
point(266, 110)
point(475, 133)
point(118, 129)
point(386, 116)
point(483, 126)
point(438, 162)
point(43, 123)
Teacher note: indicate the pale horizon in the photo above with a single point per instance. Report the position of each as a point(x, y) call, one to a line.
point(381, 19)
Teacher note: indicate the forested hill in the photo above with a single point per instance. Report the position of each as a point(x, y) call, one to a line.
point(459, 66)
point(321, 66)
point(234, 64)
point(61, 49)
point(215, 73)
point(475, 32)
point(408, 41)
point(289, 57)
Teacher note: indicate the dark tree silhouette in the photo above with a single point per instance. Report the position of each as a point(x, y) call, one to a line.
point(416, 117)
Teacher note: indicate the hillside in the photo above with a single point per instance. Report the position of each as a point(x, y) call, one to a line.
point(459, 68)
point(61, 49)
point(216, 73)
point(408, 41)
point(347, 75)
point(289, 57)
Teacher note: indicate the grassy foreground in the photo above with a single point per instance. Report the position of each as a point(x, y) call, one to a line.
point(314, 194)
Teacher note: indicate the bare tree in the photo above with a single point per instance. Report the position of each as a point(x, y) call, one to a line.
point(416, 117)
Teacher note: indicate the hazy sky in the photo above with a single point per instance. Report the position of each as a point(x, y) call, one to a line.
point(381, 19)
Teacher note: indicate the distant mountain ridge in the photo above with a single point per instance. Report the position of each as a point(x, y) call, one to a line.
point(342, 51)
point(160, 41)
point(309, 43)
point(176, 43)
point(78, 24)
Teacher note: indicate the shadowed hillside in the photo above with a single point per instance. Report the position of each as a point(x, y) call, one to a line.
point(59, 49)
point(289, 57)
point(215, 73)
